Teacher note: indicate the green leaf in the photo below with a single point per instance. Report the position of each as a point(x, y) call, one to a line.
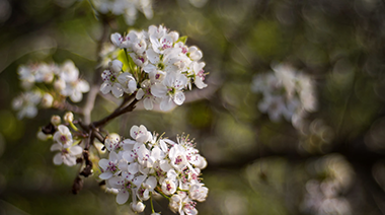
point(182, 39)
point(125, 58)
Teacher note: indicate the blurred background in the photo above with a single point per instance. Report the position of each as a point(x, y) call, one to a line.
point(255, 166)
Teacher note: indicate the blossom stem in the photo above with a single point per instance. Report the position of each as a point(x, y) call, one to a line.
point(183, 190)
point(73, 126)
point(161, 193)
point(152, 205)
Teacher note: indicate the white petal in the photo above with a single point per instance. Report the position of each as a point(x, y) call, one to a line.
point(76, 96)
point(115, 39)
point(117, 90)
point(148, 105)
point(166, 104)
point(151, 181)
point(105, 175)
point(56, 146)
point(76, 150)
point(133, 168)
point(139, 94)
point(57, 159)
point(69, 160)
point(153, 57)
point(105, 87)
point(149, 68)
point(122, 197)
point(158, 90)
point(179, 98)
point(103, 163)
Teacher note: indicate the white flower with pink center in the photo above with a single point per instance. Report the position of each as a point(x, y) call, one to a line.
point(109, 167)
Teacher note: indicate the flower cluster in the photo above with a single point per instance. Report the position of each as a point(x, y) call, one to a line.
point(148, 165)
point(128, 8)
point(156, 64)
point(328, 196)
point(64, 141)
point(48, 85)
point(286, 93)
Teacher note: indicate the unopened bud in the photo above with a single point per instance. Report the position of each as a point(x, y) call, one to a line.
point(138, 207)
point(59, 85)
point(47, 100)
point(55, 120)
point(68, 117)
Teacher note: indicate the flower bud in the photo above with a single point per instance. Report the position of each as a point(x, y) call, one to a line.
point(59, 85)
point(112, 141)
point(138, 207)
point(68, 117)
point(47, 100)
point(55, 120)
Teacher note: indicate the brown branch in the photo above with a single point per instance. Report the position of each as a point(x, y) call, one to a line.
point(115, 114)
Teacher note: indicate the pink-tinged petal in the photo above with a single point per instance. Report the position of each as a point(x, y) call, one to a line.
point(76, 150)
point(122, 197)
point(106, 175)
point(57, 159)
point(103, 163)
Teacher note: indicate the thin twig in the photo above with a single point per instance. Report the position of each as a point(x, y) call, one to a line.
point(115, 114)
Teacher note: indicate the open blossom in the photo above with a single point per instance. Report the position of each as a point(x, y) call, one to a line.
point(164, 67)
point(46, 85)
point(128, 8)
point(286, 93)
point(148, 164)
point(63, 143)
point(26, 104)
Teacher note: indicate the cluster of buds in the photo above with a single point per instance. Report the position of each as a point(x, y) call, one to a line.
point(48, 85)
point(286, 93)
point(157, 65)
point(128, 8)
point(149, 165)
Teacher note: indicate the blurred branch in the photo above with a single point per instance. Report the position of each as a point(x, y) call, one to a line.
point(90, 102)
